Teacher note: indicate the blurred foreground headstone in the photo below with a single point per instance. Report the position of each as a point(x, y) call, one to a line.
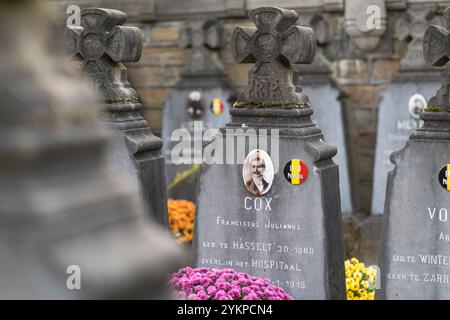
point(69, 228)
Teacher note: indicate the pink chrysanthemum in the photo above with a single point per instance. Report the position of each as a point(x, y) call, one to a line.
point(223, 284)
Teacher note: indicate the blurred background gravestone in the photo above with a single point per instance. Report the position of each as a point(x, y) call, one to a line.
point(323, 92)
point(200, 101)
point(404, 99)
point(101, 44)
point(415, 249)
point(63, 211)
point(284, 223)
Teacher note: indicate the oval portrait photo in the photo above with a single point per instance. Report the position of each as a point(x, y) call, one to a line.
point(258, 172)
point(417, 103)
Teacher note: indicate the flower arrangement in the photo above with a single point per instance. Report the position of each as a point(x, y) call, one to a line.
point(181, 219)
point(223, 284)
point(360, 280)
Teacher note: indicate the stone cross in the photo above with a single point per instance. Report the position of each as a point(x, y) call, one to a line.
point(102, 43)
point(414, 27)
point(415, 226)
point(232, 211)
point(274, 46)
point(202, 37)
point(436, 48)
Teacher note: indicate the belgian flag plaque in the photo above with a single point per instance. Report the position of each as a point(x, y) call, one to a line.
point(296, 171)
point(444, 177)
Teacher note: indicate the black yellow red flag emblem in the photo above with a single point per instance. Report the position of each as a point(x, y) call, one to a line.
point(444, 177)
point(217, 107)
point(296, 171)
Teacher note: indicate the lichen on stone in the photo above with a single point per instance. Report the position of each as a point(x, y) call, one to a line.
point(437, 109)
point(267, 105)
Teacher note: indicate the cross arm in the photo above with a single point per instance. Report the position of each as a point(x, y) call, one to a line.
point(99, 18)
point(72, 39)
point(124, 44)
point(299, 45)
point(436, 45)
point(241, 45)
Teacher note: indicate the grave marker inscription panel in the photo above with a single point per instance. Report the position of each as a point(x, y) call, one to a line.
point(415, 256)
point(276, 214)
point(404, 98)
point(201, 100)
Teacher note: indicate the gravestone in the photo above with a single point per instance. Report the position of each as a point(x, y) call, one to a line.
point(324, 94)
point(199, 101)
point(415, 253)
point(101, 44)
point(273, 210)
point(403, 99)
point(64, 213)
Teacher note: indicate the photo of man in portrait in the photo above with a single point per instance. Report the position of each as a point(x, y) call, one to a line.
point(258, 172)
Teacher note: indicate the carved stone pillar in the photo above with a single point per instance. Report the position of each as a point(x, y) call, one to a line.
point(365, 22)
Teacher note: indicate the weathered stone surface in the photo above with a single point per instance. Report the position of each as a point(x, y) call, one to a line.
point(365, 22)
point(101, 43)
point(203, 78)
point(415, 81)
point(60, 203)
point(274, 42)
point(293, 233)
point(161, 9)
point(413, 26)
point(352, 71)
point(327, 5)
point(395, 124)
point(415, 252)
point(323, 93)
point(328, 114)
point(200, 36)
point(142, 9)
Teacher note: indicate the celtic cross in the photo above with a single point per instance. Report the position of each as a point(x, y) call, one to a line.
point(274, 46)
point(201, 36)
point(414, 27)
point(436, 48)
point(102, 44)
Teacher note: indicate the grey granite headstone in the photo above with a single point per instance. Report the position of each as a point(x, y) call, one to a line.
point(63, 211)
point(200, 101)
point(397, 117)
point(324, 94)
point(415, 255)
point(101, 44)
point(250, 216)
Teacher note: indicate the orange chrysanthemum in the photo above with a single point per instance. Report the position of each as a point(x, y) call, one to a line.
point(181, 219)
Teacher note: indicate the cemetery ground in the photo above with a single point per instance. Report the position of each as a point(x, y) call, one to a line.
point(226, 151)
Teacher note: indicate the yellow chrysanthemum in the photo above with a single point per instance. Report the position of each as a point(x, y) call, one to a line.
point(360, 280)
point(365, 284)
